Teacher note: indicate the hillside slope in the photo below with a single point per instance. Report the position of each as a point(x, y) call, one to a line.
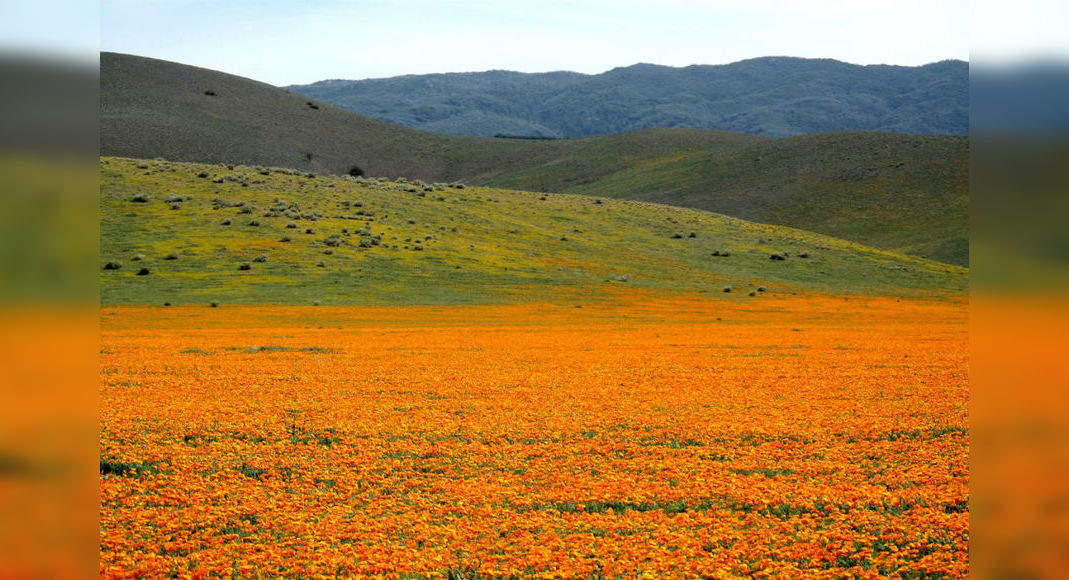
point(904, 192)
point(774, 96)
point(892, 191)
point(255, 235)
point(154, 108)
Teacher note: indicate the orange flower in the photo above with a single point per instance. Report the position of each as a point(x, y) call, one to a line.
point(667, 436)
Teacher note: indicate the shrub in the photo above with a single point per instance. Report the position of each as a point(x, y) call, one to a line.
point(171, 257)
point(226, 222)
point(312, 105)
point(202, 174)
point(677, 236)
point(213, 305)
point(803, 255)
point(143, 272)
point(355, 171)
point(244, 267)
point(119, 469)
point(254, 223)
point(777, 257)
point(251, 472)
point(260, 259)
point(209, 93)
point(309, 231)
point(727, 288)
point(142, 165)
point(320, 264)
point(112, 266)
point(291, 226)
point(284, 239)
point(692, 235)
point(138, 257)
point(140, 198)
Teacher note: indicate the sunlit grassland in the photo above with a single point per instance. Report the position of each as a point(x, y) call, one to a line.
point(447, 245)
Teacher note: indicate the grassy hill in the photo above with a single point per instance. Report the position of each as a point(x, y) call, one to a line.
point(241, 234)
point(902, 192)
point(775, 96)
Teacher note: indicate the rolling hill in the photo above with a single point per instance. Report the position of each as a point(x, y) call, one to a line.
point(773, 96)
point(195, 233)
point(906, 193)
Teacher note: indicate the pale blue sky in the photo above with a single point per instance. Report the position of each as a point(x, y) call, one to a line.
point(298, 42)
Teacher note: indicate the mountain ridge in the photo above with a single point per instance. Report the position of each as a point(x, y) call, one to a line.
point(773, 96)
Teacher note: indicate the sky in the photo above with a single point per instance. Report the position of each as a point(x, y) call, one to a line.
point(290, 42)
point(299, 42)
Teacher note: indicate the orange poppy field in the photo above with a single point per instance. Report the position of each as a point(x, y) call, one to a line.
point(642, 435)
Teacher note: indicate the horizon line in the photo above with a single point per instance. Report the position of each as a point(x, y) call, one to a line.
point(456, 72)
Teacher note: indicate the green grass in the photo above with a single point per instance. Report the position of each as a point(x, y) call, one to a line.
point(485, 245)
point(906, 193)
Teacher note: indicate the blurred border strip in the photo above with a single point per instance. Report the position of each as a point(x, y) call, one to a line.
point(1020, 318)
point(49, 235)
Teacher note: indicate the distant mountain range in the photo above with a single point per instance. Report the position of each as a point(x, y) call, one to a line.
point(773, 96)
